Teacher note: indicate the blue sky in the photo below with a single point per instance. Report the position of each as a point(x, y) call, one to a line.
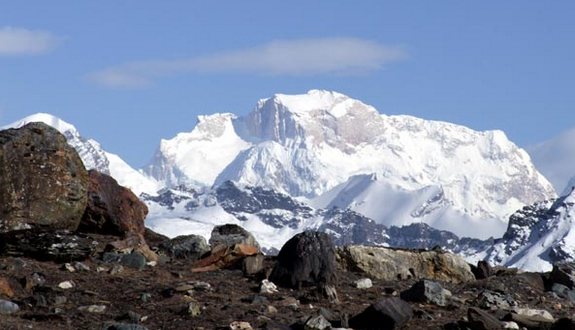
point(128, 73)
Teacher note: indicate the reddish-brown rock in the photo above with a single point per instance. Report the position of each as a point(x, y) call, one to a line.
point(43, 182)
point(5, 288)
point(112, 209)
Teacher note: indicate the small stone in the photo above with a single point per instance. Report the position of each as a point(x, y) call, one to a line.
point(201, 286)
point(145, 297)
point(66, 285)
point(557, 306)
point(134, 260)
point(240, 325)
point(364, 283)
point(194, 309)
point(101, 269)
point(317, 323)
point(34, 280)
point(259, 300)
point(116, 269)
point(510, 325)
point(271, 309)
point(268, 287)
point(96, 309)
point(60, 300)
point(81, 267)
point(8, 307)
point(69, 267)
point(152, 263)
point(253, 264)
point(184, 288)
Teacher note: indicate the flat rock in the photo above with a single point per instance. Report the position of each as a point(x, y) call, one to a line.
point(392, 264)
point(48, 245)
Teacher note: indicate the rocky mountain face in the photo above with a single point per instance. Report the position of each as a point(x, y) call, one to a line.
point(307, 145)
point(274, 217)
point(537, 236)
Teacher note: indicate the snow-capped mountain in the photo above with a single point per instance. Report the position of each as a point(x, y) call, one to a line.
point(307, 145)
point(537, 236)
point(555, 158)
point(274, 218)
point(93, 156)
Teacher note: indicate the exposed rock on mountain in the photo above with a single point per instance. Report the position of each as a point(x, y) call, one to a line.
point(42, 180)
point(537, 236)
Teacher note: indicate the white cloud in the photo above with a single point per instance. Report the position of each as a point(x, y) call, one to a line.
point(304, 57)
point(18, 41)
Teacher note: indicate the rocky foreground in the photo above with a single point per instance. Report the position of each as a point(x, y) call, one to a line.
point(74, 254)
point(373, 288)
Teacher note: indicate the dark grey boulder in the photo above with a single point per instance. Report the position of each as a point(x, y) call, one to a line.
point(307, 258)
point(427, 291)
point(387, 313)
point(190, 247)
point(482, 271)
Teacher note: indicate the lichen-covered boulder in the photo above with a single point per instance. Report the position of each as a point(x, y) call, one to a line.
point(395, 264)
point(230, 235)
point(43, 182)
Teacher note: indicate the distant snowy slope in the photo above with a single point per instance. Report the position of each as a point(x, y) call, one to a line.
point(93, 156)
point(555, 158)
point(394, 206)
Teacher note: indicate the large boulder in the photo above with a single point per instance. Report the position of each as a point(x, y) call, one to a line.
point(112, 209)
point(43, 182)
point(306, 259)
point(229, 235)
point(395, 264)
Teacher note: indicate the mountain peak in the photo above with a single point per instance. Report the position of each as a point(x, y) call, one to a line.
point(46, 118)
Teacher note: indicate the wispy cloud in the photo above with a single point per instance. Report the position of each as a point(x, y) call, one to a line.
point(303, 57)
point(19, 41)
